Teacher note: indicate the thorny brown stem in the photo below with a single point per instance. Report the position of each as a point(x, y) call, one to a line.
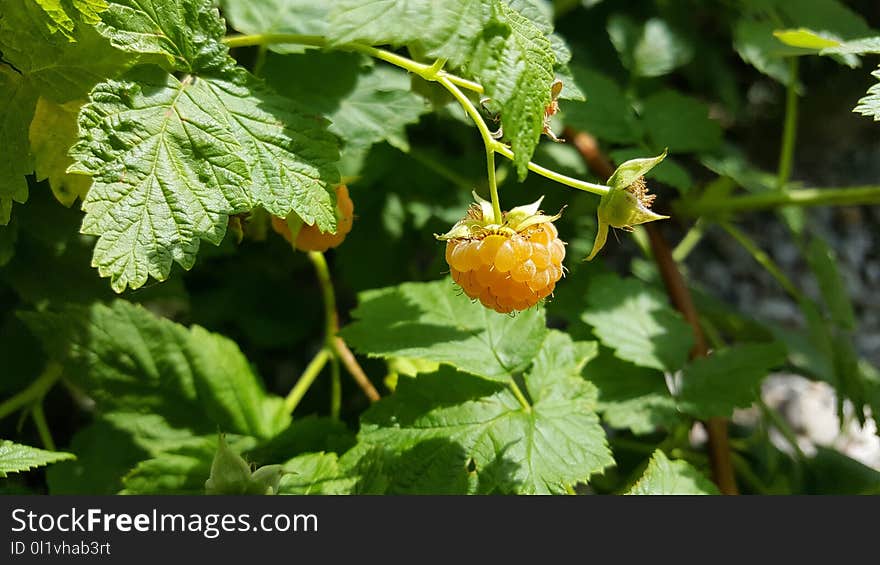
point(680, 296)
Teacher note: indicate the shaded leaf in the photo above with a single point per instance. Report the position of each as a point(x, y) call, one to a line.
point(729, 378)
point(127, 359)
point(631, 397)
point(665, 477)
point(53, 131)
point(637, 323)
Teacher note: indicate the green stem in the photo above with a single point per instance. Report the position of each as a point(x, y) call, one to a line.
point(305, 381)
point(260, 60)
point(518, 393)
point(323, 273)
point(335, 388)
point(34, 392)
point(432, 73)
point(764, 260)
point(39, 417)
point(493, 185)
point(599, 189)
point(851, 196)
point(789, 132)
point(428, 72)
point(780, 424)
point(689, 241)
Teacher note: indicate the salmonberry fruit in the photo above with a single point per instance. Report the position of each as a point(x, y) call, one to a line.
point(310, 238)
point(507, 267)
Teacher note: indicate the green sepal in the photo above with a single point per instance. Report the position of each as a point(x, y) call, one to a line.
point(630, 171)
point(627, 203)
point(231, 474)
point(480, 220)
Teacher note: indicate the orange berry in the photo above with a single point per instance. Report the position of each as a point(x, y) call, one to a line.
point(310, 238)
point(507, 271)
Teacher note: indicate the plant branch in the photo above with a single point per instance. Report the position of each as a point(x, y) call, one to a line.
point(598, 189)
point(331, 322)
point(761, 257)
point(334, 344)
point(679, 294)
point(34, 392)
point(850, 196)
point(39, 416)
point(353, 367)
point(313, 369)
point(789, 131)
point(335, 388)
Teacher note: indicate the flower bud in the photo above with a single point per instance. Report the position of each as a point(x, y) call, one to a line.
point(628, 202)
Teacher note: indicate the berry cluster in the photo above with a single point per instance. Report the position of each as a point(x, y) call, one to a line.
point(507, 266)
point(508, 272)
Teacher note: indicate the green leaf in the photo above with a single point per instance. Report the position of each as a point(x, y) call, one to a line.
point(434, 322)
point(729, 378)
point(293, 158)
point(510, 55)
point(62, 16)
point(754, 34)
point(870, 105)
point(110, 447)
point(59, 69)
point(166, 169)
point(515, 61)
point(607, 113)
point(8, 237)
point(365, 103)
point(60, 20)
point(185, 33)
point(805, 39)
point(446, 30)
point(665, 477)
point(127, 359)
point(449, 433)
point(310, 434)
point(866, 46)
point(316, 473)
point(20, 99)
point(831, 472)
point(830, 16)
point(52, 132)
point(172, 159)
point(756, 45)
point(631, 397)
point(650, 49)
point(823, 263)
point(637, 323)
point(16, 458)
point(304, 17)
point(680, 123)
